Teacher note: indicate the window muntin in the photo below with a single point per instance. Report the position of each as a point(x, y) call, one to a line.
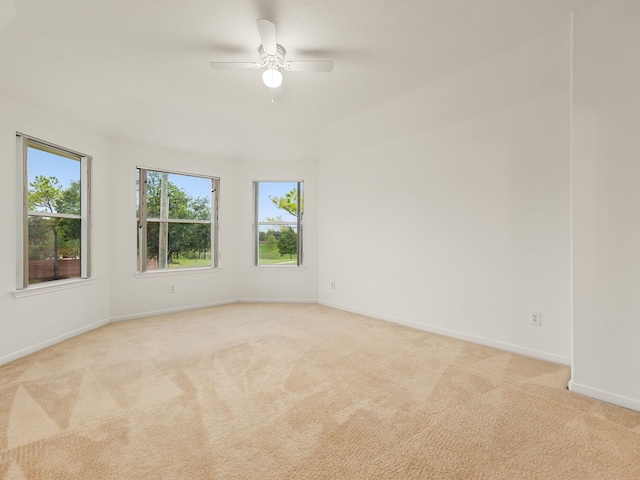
point(53, 241)
point(279, 213)
point(179, 229)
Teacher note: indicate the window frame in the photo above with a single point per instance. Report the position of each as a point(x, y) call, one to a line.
point(142, 221)
point(299, 224)
point(23, 142)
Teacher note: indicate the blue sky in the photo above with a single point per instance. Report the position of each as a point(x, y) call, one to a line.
point(201, 187)
point(194, 186)
point(67, 170)
point(274, 189)
point(50, 165)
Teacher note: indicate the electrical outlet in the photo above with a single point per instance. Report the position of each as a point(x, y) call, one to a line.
point(333, 285)
point(172, 289)
point(536, 319)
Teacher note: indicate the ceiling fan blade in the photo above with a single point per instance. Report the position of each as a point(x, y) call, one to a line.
point(234, 65)
point(322, 66)
point(268, 36)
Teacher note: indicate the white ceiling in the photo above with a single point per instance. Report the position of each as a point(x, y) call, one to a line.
point(139, 69)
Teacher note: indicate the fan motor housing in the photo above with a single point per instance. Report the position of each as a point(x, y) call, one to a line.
point(272, 61)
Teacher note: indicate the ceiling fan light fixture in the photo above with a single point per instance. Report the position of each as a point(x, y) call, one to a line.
point(272, 59)
point(272, 77)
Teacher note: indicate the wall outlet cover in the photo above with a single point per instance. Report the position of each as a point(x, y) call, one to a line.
point(536, 318)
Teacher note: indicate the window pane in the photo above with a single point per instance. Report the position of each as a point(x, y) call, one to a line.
point(54, 248)
point(278, 245)
point(54, 182)
point(185, 197)
point(176, 218)
point(188, 245)
point(54, 243)
point(278, 201)
point(278, 221)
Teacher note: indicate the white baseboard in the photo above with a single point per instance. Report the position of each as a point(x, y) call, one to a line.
point(529, 352)
point(608, 397)
point(628, 403)
point(39, 346)
point(153, 313)
point(60, 338)
point(277, 300)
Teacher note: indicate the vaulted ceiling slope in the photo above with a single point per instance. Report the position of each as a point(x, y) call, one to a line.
point(140, 69)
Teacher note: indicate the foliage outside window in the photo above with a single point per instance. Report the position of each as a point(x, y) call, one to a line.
point(53, 242)
point(177, 220)
point(279, 223)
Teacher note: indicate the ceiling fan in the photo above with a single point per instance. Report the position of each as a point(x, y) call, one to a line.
point(272, 59)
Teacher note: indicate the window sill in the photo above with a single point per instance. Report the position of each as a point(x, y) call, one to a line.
point(294, 268)
point(176, 271)
point(54, 286)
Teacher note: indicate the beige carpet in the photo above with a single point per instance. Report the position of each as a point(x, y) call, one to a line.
point(251, 391)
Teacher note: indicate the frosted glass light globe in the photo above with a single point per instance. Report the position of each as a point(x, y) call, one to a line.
point(272, 78)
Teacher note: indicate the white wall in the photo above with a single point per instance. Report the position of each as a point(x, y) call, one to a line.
point(448, 208)
point(116, 291)
point(32, 322)
point(606, 202)
point(133, 294)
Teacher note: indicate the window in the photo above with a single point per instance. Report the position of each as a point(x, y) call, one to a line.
point(53, 240)
point(279, 223)
point(177, 220)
